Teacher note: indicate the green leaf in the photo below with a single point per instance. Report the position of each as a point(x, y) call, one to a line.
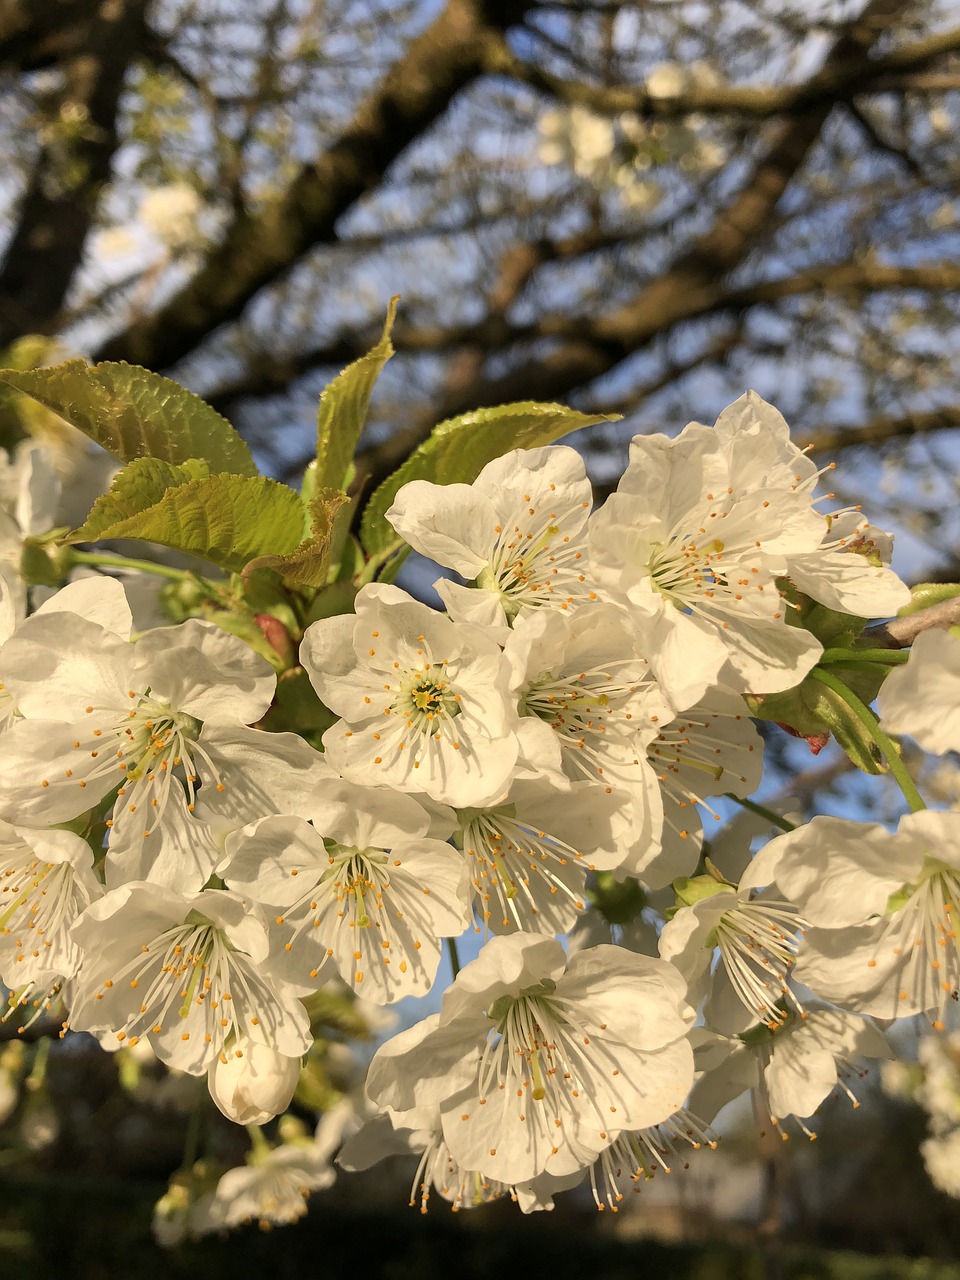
point(138, 486)
point(343, 409)
point(226, 519)
point(134, 413)
point(309, 563)
point(458, 450)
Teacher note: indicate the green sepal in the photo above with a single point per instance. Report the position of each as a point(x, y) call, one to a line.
point(693, 889)
point(342, 413)
point(336, 598)
point(457, 451)
point(263, 592)
point(43, 563)
point(134, 413)
point(812, 710)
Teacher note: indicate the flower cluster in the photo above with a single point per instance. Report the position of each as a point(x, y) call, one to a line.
point(183, 875)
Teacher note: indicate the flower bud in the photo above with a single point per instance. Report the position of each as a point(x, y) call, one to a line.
point(251, 1083)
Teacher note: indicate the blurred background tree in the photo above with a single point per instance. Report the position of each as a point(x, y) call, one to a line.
point(640, 208)
point(633, 207)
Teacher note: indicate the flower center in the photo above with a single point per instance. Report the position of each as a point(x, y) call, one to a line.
point(533, 562)
point(425, 699)
point(682, 569)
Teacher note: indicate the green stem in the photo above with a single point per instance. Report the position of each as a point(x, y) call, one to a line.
point(35, 1079)
point(105, 560)
point(887, 746)
point(260, 1148)
point(454, 955)
point(191, 1142)
point(762, 812)
point(891, 656)
point(380, 560)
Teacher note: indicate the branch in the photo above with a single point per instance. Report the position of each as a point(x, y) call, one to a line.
point(34, 36)
point(259, 248)
point(693, 284)
point(836, 81)
point(58, 207)
point(880, 429)
point(900, 633)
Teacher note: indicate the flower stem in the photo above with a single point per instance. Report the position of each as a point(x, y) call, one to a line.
point(191, 1142)
point(892, 657)
point(260, 1148)
point(106, 560)
point(762, 812)
point(379, 561)
point(886, 745)
point(454, 955)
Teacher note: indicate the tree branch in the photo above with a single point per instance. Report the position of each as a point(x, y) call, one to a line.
point(900, 633)
point(58, 207)
point(881, 429)
point(34, 36)
point(835, 81)
point(259, 248)
point(693, 284)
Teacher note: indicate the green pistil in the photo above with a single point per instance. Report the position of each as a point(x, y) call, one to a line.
point(363, 920)
point(669, 755)
point(539, 1089)
point(424, 699)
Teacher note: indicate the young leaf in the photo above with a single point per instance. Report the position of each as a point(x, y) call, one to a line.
point(226, 519)
point(309, 563)
point(140, 485)
point(457, 451)
point(342, 414)
point(134, 413)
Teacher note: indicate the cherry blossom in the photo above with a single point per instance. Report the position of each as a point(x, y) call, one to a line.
point(423, 701)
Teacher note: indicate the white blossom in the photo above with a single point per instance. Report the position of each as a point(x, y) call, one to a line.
point(189, 972)
point(252, 1082)
point(883, 907)
point(588, 710)
point(757, 939)
point(517, 533)
point(711, 749)
point(46, 882)
point(151, 721)
point(529, 854)
point(423, 701)
point(695, 538)
point(795, 1065)
point(922, 697)
point(535, 1067)
point(365, 890)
